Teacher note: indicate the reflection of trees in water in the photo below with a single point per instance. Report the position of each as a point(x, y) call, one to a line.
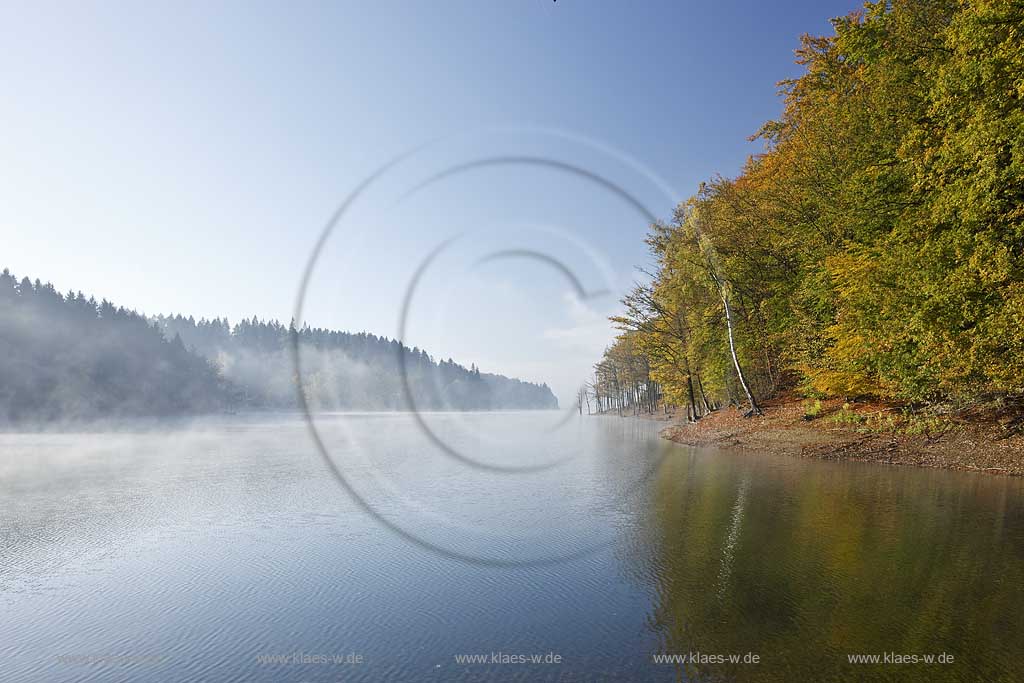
point(803, 563)
point(630, 476)
point(732, 538)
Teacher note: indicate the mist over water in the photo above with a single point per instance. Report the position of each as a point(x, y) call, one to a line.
point(68, 358)
point(192, 552)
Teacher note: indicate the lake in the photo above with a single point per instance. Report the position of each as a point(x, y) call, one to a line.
point(493, 546)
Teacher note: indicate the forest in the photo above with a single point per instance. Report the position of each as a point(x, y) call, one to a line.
point(874, 249)
point(69, 357)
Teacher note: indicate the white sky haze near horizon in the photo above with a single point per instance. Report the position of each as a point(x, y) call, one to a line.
point(183, 158)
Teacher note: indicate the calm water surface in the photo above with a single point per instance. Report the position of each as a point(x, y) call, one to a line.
point(196, 552)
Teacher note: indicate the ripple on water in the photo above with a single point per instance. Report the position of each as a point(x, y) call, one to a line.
point(213, 546)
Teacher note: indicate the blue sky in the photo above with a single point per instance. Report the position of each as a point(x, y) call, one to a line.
point(184, 157)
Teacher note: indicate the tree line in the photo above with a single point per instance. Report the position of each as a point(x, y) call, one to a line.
point(68, 356)
point(876, 247)
point(65, 356)
point(346, 371)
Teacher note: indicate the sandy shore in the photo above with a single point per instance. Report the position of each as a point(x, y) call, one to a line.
point(979, 443)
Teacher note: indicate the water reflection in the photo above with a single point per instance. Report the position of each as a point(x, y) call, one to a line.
point(214, 545)
point(804, 563)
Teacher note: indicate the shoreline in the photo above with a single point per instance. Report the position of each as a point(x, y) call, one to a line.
point(841, 431)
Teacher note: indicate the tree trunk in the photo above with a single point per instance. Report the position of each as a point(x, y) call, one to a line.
point(754, 408)
point(689, 385)
point(689, 388)
point(723, 288)
point(703, 396)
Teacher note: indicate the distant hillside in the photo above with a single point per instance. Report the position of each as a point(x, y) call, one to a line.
point(66, 356)
point(345, 371)
point(69, 357)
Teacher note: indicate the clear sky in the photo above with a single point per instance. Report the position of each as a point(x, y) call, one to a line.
point(184, 157)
